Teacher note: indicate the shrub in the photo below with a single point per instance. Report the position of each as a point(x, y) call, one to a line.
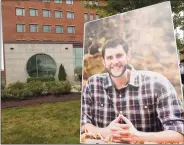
point(36, 88)
point(62, 74)
point(23, 90)
point(42, 79)
point(57, 88)
point(17, 85)
point(13, 90)
point(67, 86)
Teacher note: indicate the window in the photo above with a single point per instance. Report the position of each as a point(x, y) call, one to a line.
point(33, 12)
point(20, 12)
point(58, 1)
point(58, 14)
point(71, 29)
point(33, 27)
point(46, 13)
point(97, 17)
point(41, 65)
point(69, 2)
point(59, 29)
point(46, 28)
point(85, 17)
point(96, 2)
point(78, 56)
point(46, 1)
point(91, 17)
point(70, 15)
point(20, 27)
point(90, 2)
point(84, 2)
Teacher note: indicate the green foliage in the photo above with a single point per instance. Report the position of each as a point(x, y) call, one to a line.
point(180, 45)
point(35, 88)
point(13, 90)
point(42, 79)
point(67, 86)
point(112, 7)
point(62, 74)
point(59, 87)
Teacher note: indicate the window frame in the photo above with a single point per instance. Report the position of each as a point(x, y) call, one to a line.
point(50, 28)
point(90, 17)
point(62, 29)
point(46, 10)
point(22, 11)
point(36, 28)
point(70, 12)
point(35, 12)
point(59, 1)
point(86, 14)
point(71, 2)
point(61, 14)
point(73, 29)
point(24, 28)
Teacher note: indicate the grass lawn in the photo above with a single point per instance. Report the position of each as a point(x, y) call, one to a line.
point(56, 123)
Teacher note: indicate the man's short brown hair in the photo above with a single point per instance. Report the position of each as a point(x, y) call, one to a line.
point(112, 43)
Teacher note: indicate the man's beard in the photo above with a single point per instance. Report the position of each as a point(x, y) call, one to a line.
point(117, 76)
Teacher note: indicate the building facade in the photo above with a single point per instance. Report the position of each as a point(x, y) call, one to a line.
point(40, 35)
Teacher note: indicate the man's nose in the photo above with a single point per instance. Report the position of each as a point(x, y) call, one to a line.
point(115, 61)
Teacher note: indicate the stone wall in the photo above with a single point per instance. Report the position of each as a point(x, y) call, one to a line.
point(16, 59)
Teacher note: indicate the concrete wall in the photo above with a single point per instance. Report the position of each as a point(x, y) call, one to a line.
point(16, 59)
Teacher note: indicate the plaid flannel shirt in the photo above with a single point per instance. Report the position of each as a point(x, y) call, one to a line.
point(149, 101)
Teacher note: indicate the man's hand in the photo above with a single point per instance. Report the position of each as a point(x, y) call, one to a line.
point(123, 132)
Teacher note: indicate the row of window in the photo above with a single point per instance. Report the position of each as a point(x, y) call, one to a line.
point(90, 2)
point(91, 17)
point(57, 14)
point(45, 13)
point(45, 28)
point(69, 2)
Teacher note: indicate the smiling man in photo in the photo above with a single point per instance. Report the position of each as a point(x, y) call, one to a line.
point(130, 105)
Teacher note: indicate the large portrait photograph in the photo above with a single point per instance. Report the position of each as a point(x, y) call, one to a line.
point(131, 85)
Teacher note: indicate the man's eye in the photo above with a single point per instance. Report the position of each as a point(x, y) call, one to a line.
point(119, 55)
point(109, 57)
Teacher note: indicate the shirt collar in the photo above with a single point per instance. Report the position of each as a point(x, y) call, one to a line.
point(134, 78)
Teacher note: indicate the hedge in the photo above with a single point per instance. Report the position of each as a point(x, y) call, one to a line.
point(42, 79)
point(35, 88)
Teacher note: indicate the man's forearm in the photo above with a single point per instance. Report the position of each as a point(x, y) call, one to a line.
point(91, 128)
point(168, 136)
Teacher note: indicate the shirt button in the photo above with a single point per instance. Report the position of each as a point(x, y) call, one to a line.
point(120, 95)
point(145, 107)
point(102, 105)
point(121, 112)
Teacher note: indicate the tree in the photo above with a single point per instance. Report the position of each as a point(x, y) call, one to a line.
point(62, 74)
point(111, 7)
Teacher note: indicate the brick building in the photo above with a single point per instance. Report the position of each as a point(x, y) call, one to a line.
point(40, 35)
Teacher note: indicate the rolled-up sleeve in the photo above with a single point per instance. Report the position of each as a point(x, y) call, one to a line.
point(86, 115)
point(170, 110)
